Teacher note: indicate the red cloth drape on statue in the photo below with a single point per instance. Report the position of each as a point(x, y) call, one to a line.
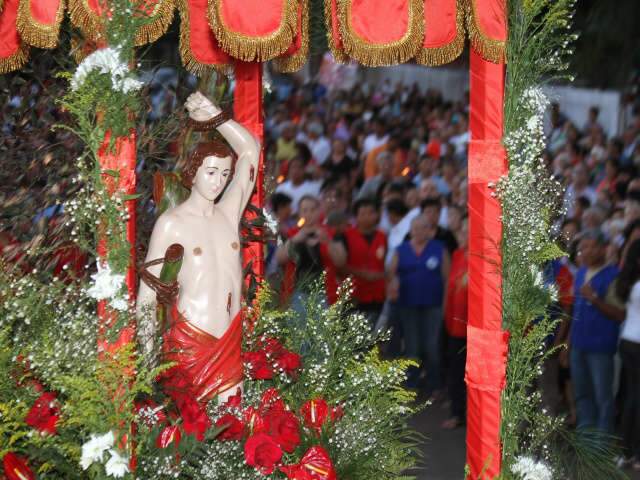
point(487, 343)
point(205, 365)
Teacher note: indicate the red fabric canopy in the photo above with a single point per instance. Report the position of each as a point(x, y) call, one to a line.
point(212, 32)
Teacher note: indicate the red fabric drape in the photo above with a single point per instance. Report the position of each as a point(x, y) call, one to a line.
point(443, 32)
point(254, 30)
point(487, 343)
point(487, 26)
point(253, 18)
point(381, 33)
point(13, 53)
point(198, 45)
point(248, 111)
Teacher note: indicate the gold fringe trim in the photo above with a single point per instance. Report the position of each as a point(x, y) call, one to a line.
point(15, 61)
point(377, 55)
point(188, 60)
point(435, 56)
point(38, 34)
point(86, 20)
point(1, 5)
point(258, 49)
point(293, 63)
point(338, 55)
point(491, 49)
point(163, 16)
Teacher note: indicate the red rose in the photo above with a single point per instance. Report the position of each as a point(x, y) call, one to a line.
point(15, 468)
point(273, 348)
point(194, 418)
point(234, 430)
point(258, 366)
point(254, 421)
point(151, 412)
point(271, 400)
point(315, 413)
point(315, 465)
point(284, 427)
point(169, 434)
point(289, 362)
point(262, 452)
point(44, 414)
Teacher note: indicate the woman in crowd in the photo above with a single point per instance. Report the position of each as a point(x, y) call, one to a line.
point(628, 290)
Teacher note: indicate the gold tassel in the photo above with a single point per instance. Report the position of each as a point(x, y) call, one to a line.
point(251, 49)
point(293, 63)
point(38, 34)
point(377, 55)
point(433, 57)
point(338, 54)
point(188, 60)
point(86, 20)
point(15, 61)
point(491, 49)
point(162, 17)
point(1, 5)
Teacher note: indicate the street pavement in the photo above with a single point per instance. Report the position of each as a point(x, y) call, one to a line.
point(444, 450)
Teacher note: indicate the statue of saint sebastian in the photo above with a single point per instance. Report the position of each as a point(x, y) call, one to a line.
point(205, 324)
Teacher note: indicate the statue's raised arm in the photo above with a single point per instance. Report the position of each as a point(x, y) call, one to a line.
point(245, 147)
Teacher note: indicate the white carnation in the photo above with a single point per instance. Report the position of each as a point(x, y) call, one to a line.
point(118, 465)
point(105, 283)
point(530, 469)
point(106, 60)
point(93, 450)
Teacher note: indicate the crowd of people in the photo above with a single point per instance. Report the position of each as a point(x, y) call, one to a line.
point(371, 185)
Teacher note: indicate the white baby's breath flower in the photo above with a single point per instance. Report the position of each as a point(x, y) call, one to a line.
point(119, 304)
point(105, 283)
point(118, 465)
point(530, 469)
point(93, 450)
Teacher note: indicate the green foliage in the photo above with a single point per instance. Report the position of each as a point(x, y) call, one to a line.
point(341, 365)
point(537, 48)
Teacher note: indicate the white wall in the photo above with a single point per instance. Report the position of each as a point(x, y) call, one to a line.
point(454, 82)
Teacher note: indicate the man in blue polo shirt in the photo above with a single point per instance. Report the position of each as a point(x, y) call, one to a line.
point(594, 334)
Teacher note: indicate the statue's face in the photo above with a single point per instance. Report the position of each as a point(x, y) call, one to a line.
point(212, 177)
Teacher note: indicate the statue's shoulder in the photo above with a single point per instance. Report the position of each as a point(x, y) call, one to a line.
point(168, 221)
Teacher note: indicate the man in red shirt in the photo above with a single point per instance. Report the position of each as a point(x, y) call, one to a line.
point(361, 257)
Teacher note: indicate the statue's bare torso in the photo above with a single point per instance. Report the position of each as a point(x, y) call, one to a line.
point(211, 275)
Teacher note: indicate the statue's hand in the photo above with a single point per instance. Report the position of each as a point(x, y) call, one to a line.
point(200, 107)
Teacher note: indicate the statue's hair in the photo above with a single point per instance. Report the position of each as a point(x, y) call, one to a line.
point(214, 148)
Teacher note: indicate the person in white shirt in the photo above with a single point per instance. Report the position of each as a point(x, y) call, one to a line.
point(296, 185)
point(627, 289)
point(579, 187)
point(318, 144)
point(375, 139)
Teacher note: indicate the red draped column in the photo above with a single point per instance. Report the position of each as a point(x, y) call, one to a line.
point(121, 159)
point(248, 111)
point(486, 341)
